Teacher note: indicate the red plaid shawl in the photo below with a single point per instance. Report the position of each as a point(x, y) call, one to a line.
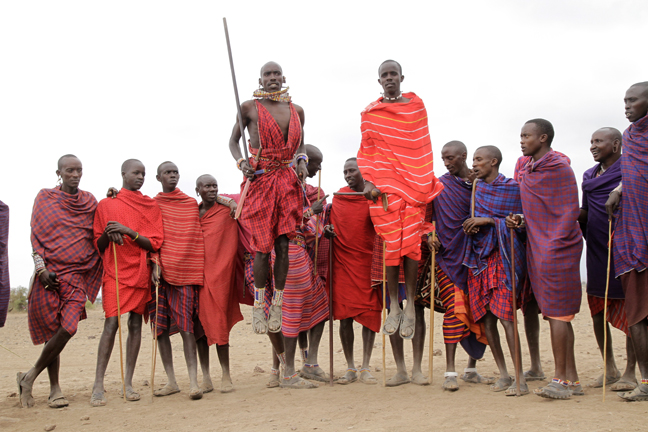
point(183, 252)
point(4, 262)
point(273, 205)
point(631, 235)
point(396, 153)
point(550, 203)
point(496, 200)
point(62, 235)
point(218, 300)
point(141, 214)
point(353, 295)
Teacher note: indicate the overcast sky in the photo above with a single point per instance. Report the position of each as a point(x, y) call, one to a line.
point(109, 81)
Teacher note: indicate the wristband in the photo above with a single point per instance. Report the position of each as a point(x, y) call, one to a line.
point(136, 237)
point(239, 162)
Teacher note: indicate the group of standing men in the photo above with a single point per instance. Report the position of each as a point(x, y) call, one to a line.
point(187, 267)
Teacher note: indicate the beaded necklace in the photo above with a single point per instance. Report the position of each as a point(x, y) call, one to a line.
point(400, 95)
point(278, 96)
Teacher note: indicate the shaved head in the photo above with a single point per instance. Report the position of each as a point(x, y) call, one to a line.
point(271, 65)
point(611, 132)
point(62, 160)
point(127, 164)
point(492, 152)
point(458, 146)
point(205, 178)
point(643, 86)
point(313, 151)
point(159, 170)
point(400, 68)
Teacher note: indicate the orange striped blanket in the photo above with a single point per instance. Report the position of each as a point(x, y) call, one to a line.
point(182, 255)
point(396, 156)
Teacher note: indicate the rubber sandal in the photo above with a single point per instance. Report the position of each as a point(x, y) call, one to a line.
point(405, 324)
point(501, 385)
point(259, 323)
point(512, 390)
point(554, 390)
point(395, 321)
point(59, 402)
point(367, 378)
point(313, 376)
point(450, 384)
point(297, 385)
point(623, 385)
point(531, 376)
point(639, 394)
point(98, 400)
point(274, 319)
point(345, 381)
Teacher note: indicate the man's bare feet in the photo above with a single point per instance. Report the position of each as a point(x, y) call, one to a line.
point(476, 378)
point(314, 372)
point(167, 390)
point(419, 379)
point(98, 399)
point(367, 378)
point(274, 379)
point(349, 377)
point(399, 379)
point(392, 323)
point(274, 319)
point(450, 383)
point(259, 323)
point(207, 386)
point(226, 385)
point(24, 391)
point(296, 382)
point(195, 393)
point(501, 384)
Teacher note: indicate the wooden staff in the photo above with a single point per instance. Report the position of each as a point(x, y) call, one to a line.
point(121, 354)
point(384, 313)
point(605, 327)
point(472, 199)
point(331, 312)
point(516, 343)
point(154, 341)
point(239, 208)
point(319, 188)
point(432, 289)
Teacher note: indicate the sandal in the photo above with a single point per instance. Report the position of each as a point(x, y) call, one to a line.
point(623, 385)
point(394, 320)
point(407, 324)
point(501, 384)
point(471, 376)
point(639, 394)
point(297, 385)
point(167, 390)
point(532, 376)
point(450, 383)
point(98, 400)
point(576, 388)
point(556, 389)
point(512, 390)
point(366, 377)
point(30, 401)
point(58, 402)
point(274, 378)
point(344, 380)
point(274, 319)
point(321, 377)
point(609, 380)
point(259, 323)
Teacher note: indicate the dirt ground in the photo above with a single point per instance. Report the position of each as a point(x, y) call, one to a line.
point(252, 406)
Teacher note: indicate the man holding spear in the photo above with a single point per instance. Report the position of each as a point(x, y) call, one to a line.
point(127, 227)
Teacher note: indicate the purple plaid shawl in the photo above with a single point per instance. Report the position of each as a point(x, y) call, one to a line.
point(631, 235)
point(595, 193)
point(62, 234)
point(4, 262)
point(451, 208)
point(496, 200)
point(550, 203)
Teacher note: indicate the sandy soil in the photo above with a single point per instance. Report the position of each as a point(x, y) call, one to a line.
point(254, 407)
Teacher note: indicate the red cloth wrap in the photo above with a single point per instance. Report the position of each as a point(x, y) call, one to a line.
point(62, 235)
point(323, 243)
point(141, 214)
point(353, 295)
point(273, 205)
point(218, 301)
point(396, 156)
point(182, 255)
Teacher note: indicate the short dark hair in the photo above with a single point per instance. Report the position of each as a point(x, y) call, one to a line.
point(128, 162)
point(494, 152)
point(160, 166)
point(616, 134)
point(60, 161)
point(545, 127)
point(354, 159)
point(400, 68)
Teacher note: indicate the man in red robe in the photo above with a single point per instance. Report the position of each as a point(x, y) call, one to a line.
point(219, 308)
point(354, 298)
point(67, 274)
point(178, 273)
point(395, 159)
point(272, 209)
point(130, 227)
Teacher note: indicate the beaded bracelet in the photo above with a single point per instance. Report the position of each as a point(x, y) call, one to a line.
point(136, 237)
point(303, 156)
point(224, 200)
point(39, 263)
point(239, 162)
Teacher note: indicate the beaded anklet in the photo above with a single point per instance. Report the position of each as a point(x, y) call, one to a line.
point(296, 374)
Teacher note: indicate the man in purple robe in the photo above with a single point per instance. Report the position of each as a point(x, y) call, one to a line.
point(598, 182)
point(630, 243)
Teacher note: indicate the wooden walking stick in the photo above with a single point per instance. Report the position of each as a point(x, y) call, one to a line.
point(516, 337)
point(319, 188)
point(472, 199)
point(239, 208)
point(121, 354)
point(384, 313)
point(331, 312)
point(154, 341)
point(607, 286)
point(432, 292)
